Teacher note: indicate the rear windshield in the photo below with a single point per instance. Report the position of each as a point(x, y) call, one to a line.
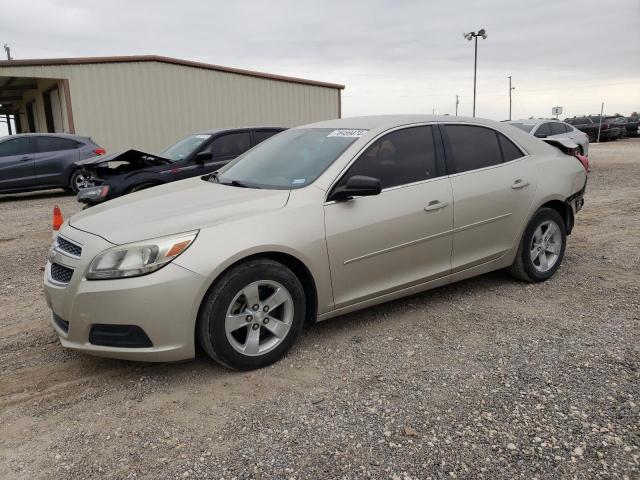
point(291, 159)
point(527, 127)
point(185, 147)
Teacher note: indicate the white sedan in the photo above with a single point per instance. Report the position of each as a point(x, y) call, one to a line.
point(544, 128)
point(315, 222)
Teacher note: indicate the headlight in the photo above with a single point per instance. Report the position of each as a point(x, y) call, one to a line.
point(93, 194)
point(140, 258)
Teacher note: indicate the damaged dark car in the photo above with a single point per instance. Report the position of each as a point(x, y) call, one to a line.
point(121, 173)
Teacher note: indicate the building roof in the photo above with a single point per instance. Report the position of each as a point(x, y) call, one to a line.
point(161, 59)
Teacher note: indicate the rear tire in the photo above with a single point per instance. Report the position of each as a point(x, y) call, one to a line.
point(541, 248)
point(243, 309)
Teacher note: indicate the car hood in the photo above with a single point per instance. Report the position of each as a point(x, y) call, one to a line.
point(173, 208)
point(134, 157)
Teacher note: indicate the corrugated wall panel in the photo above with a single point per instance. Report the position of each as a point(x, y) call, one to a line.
point(148, 105)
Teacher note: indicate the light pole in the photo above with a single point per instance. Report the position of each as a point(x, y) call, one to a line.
point(469, 36)
point(7, 117)
point(457, 103)
point(510, 90)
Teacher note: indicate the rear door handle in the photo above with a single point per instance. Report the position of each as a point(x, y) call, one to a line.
point(518, 184)
point(434, 205)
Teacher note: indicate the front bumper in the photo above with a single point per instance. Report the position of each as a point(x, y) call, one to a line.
point(164, 304)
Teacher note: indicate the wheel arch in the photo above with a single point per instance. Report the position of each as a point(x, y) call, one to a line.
point(565, 211)
point(293, 263)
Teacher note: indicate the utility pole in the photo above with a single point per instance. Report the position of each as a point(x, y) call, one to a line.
point(8, 51)
point(457, 103)
point(600, 124)
point(510, 90)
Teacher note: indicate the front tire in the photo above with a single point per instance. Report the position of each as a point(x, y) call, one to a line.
point(80, 178)
point(252, 315)
point(542, 247)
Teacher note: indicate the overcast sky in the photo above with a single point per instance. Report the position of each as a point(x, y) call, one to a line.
point(393, 56)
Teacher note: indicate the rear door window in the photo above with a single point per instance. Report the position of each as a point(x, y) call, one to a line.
point(557, 128)
point(14, 146)
point(400, 157)
point(230, 145)
point(544, 129)
point(262, 135)
point(53, 144)
point(473, 147)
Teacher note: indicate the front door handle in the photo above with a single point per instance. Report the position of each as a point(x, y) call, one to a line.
point(435, 205)
point(518, 184)
point(24, 159)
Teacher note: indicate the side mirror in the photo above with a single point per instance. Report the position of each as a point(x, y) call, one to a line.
point(203, 157)
point(540, 135)
point(357, 186)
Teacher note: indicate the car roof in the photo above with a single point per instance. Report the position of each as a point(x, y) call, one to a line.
point(59, 135)
point(213, 131)
point(535, 121)
point(382, 122)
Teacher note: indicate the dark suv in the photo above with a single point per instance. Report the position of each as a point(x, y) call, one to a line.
point(34, 161)
point(591, 124)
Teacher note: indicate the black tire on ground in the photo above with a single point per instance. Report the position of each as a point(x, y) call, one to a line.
point(77, 175)
point(210, 327)
point(523, 267)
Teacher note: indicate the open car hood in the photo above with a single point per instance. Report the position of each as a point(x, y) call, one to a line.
point(133, 157)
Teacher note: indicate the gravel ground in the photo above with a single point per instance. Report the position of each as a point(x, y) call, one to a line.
point(488, 378)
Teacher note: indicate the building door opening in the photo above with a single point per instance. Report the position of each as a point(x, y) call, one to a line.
point(53, 110)
point(31, 118)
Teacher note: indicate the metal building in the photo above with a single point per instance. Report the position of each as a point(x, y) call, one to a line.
point(148, 102)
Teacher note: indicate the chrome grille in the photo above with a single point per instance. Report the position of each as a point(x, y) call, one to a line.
point(68, 247)
point(60, 273)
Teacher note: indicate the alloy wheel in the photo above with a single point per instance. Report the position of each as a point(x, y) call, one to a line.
point(546, 245)
point(259, 317)
point(82, 180)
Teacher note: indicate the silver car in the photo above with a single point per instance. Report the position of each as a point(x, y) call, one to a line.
point(544, 128)
point(315, 222)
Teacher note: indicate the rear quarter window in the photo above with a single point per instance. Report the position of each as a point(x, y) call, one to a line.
point(509, 150)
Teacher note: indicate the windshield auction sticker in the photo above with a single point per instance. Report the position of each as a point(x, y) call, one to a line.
point(347, 133)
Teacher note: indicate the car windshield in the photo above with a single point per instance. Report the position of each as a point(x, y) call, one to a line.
point(291, 159)
point(185, 147)
point(527, 127)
